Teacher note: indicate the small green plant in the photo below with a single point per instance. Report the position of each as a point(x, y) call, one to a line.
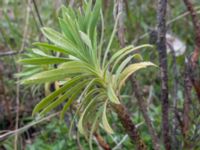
point(84, 70)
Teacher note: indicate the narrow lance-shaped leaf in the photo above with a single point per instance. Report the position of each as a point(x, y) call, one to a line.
point(131, 69)
point(44, 60)
point(67, 70)
point(39, 52)
point(105, 123)
point(28, 73)
point(111, 95)
point(54, 48)
point(123, 65)
point(120, 57)
point(47, 100)
point(115, 59)
point(74, 90)
point(95, 17)
point(86, 39)
point(80, 97)
point(94, 126)
point(80, 122)
point(61, 41)
point(87, 110)
point(47, 76)
point(67, 32)
point(110, 42)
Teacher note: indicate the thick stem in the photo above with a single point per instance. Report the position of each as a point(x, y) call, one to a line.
point(101, 141)
point(129, 126)
point(186, 109)
point(161, 46)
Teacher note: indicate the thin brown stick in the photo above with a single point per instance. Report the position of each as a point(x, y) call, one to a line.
point(195, 56)
point(37, 12)
point(18, 70)
point(161, 46)
point(22, 129)
point(34, 18)
point(186, 109)
point(196, 24)
point(9, 53)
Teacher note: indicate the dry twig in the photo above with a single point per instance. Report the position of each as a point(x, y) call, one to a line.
point(161, 46)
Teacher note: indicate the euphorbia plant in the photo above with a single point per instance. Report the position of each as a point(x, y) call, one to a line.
point(87, 77)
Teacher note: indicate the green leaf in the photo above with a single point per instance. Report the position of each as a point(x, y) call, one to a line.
point(47, 100)
point(94, 18)
point(39, 52)
point(65, 29)
point(28, 73)
point(87, 112)
point(80, 66)
point(131, 69)
point(94, 126)
point(105, 123)
point(110, 41)
point(124, 64)
point(74, 90)
point(112, 96)
point(47, 76)
point(86, 39)
point(43, 60)
point(80, 97)
point(80, 122)
point(54, 48)
point(65, 70)
point(125, 53)
point(59, 39)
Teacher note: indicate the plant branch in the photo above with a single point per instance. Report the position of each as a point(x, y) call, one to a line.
point(186, 109)
point(161, 46)
point(195, 56)
point(129, 126)
point(101, 141)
